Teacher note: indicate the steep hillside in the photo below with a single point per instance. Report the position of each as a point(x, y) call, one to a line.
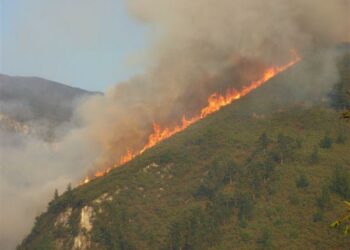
point(269, 171)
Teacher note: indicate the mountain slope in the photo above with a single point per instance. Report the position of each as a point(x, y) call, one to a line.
point(37, 107)
point(32, 98)
point(263, 172)
point(34, 114)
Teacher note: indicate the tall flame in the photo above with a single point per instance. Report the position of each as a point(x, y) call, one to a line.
point(215, 103)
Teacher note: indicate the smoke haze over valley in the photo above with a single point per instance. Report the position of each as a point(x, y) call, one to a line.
point(199, 47)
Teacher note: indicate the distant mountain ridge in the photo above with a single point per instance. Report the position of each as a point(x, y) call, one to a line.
point(31, 98)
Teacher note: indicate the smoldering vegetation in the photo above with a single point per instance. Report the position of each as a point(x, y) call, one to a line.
point(200, 47)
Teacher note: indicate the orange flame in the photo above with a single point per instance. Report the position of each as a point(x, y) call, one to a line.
point(215, 103)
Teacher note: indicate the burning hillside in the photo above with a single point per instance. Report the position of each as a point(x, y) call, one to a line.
point(199, 56)
point(215, 102)
point(196, 183)
point(200, 63)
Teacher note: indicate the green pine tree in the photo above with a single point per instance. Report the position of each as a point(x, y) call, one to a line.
point(326, 142)
point(263, 142)
point(302, 181)
point(56, 195)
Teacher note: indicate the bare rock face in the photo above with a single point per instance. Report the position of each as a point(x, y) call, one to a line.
point(103, 198)
point(85, 218)
point(150, 167)
point(11, 125)
point(63, 218)
point(83, 240)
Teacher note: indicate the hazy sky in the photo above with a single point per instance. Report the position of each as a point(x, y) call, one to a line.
point(91, 44)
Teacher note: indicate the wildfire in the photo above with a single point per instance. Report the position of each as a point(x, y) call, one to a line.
point(215, 103)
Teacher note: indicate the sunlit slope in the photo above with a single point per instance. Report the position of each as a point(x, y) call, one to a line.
point(215, 186)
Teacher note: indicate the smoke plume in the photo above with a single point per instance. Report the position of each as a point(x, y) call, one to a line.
point(200, 47)
point(204, 47)
point(30, 171)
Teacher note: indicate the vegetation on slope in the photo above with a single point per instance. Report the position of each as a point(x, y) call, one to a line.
point(262, 173)
point(227, 183)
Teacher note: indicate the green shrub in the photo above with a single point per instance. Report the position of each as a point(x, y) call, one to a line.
point(263, 142)
point(341, 138)
point(326, 142)
point(324, 200)
point(246, 237)
point(318, 216)
point(245, 206)
point(340, 182)
point(302, 181)
point(204, 191)
point(193, 229)
point(265, 239)
point(286, 147)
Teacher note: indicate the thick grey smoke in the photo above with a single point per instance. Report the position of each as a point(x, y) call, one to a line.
point(30, 170)
point(207, 46)
point(200, 47)
point(38, 150)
